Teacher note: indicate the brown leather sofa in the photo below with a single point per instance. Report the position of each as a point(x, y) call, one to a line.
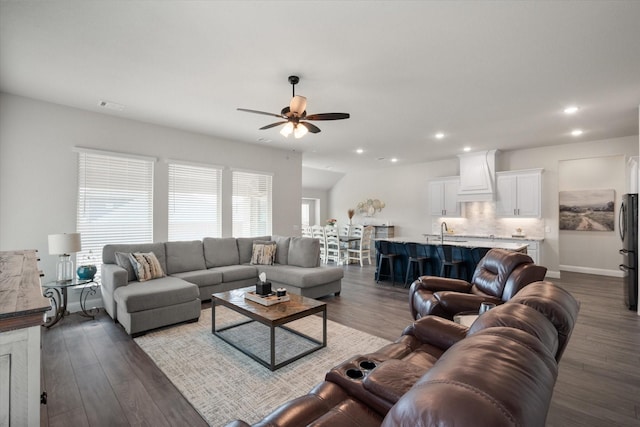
point(499, 372)
point(499, 275)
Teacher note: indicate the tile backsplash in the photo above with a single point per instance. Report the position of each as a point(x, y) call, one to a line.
point(480, 220)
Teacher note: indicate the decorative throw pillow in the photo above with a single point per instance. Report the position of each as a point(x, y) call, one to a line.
point(146, 266)
point(264, 253)
point(122, 259)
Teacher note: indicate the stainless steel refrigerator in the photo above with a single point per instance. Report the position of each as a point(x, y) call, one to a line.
point(628, 222)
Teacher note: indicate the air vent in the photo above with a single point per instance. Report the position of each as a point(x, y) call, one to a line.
point(111, 105)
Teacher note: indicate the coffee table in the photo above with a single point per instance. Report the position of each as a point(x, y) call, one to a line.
point(273, 316)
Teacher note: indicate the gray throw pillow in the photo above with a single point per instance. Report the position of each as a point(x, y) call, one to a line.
point(304, 252)
point(122, 260)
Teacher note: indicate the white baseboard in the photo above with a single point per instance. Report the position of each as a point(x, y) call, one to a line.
point(589, 270)
point(552, 274)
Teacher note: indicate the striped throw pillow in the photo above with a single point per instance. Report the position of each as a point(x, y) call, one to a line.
point(146, 266)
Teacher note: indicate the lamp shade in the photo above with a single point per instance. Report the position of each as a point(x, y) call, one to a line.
point(65, 243)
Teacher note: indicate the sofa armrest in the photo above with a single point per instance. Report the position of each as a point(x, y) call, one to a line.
point(456, 302)
point(113, 276)
point(435, 284)
point(435, 330)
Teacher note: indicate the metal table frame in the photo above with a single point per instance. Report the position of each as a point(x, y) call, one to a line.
point(57, 293)
point(253, 317)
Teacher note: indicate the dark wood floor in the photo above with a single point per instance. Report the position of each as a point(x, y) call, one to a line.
point(95, 375)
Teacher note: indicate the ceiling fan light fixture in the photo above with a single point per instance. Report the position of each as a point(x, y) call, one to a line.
point(287, 130)
point(300, 131)
point(298, 105)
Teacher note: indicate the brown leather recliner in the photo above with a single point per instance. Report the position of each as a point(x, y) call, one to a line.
point(497, 278)
point(498, 372)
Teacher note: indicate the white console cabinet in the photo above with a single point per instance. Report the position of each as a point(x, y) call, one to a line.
point(519, 193)
point(443, 197)
point(22, 309)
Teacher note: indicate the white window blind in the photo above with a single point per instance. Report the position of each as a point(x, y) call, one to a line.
point(251, 204)
point(115, 202)
point(194, 202)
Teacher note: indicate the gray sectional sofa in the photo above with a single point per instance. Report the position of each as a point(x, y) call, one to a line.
point(196, 269)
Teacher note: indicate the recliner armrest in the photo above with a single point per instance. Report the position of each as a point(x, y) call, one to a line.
point(437, 331)
point(456, 302)
point(435, 284)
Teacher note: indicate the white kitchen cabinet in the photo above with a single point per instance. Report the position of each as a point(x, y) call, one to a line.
point(532, 251)
point(443, 197)
point(519, 193)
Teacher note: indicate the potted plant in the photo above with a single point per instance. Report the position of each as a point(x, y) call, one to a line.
point(87, 269)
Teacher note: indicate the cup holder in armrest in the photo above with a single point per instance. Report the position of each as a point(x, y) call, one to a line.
point(367, 365)
point(355, 374)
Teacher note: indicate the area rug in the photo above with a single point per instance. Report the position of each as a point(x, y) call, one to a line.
point(223, 384)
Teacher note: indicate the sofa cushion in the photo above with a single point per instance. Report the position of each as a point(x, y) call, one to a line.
point(109, 251)
point(304, 252)
point(220, 251)
point(301, 277)
point(282, 251)
point(122, 259)
point(146, 266)
point(263, 253)
point(184, 256)
point(201, 277)
point(232, 273)
point(140, 296)
point(245, 247)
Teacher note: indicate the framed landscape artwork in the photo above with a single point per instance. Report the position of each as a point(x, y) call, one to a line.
point(587, 210)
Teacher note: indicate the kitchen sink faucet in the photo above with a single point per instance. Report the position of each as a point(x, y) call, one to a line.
point(443, 228)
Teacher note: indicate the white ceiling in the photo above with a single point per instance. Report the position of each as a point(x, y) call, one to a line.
point(487, 74)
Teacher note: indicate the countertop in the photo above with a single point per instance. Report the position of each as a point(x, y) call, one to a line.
point(483, 236)
point(513, 246)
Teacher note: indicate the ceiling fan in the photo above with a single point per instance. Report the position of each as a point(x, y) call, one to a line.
point(295, 115)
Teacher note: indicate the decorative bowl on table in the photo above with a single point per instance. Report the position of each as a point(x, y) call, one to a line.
point(87, 272)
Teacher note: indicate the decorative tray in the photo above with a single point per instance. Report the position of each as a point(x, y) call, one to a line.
point(270, 299)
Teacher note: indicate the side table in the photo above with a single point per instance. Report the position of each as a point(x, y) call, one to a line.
point(57, 293)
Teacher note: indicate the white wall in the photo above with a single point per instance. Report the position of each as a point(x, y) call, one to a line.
point(322, 197)
point(404, 190)
point(579, 249)
point(38, 169)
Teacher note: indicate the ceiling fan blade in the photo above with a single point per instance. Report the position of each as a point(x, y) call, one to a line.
point(260, 112)
point(272, 125)
point(328, 116)
point(310, 127)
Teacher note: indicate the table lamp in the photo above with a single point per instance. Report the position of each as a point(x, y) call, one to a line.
point(63, 245)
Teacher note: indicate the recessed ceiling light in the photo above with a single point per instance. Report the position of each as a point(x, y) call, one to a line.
point(359, 151)
point(571, 109)
point(576, 132)
point(394, 160)
point(466, 149)
point(439, 135)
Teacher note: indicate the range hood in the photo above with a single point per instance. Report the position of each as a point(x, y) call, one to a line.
point(477, 176)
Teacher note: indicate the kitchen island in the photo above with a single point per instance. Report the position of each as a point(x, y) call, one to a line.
point(469, 251)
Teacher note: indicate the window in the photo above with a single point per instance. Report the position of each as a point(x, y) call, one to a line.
point(115, 201)
point(194, 202)
point(251, 204)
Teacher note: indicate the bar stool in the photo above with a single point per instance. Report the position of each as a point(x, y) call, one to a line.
point(415, 260)
point(386, 254)
point(448, 263)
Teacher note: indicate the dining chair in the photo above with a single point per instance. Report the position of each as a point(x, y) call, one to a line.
point(363, 248)
point(332, 248)
point(317, 231)
point(306, 231)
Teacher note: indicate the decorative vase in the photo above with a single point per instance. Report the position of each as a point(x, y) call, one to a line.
point(87, 272)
